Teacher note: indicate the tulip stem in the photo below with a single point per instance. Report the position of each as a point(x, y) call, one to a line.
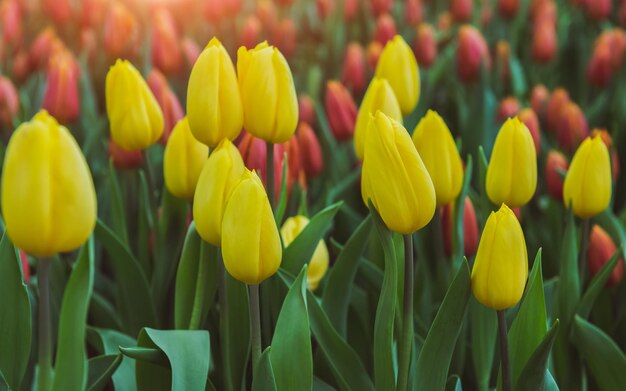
point(197, 310)
point(269, 172)
point(504, 352)
point(255, 318)
point(584, 245)
point(45, 333)
point(407, 316)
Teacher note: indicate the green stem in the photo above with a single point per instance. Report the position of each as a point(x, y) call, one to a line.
point(584, 244)
point(224, 331)
point(269, 172)
point(200, 293)
point(406, 342)
point(504, 352)
point(255, 318)
point(45, 332)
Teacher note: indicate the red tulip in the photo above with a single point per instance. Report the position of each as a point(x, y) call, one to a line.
point(9, 103)
point(285, 37)
point(544, 42)
point(461, 10)
point(324, 8)
point(167, 99)
point(598, 9)
point(556, 166)
point(123, 159)
point(608, 141)
point(380, 7)
point(350, 8)
point(45, 45)
point(310, 150)
point(306, 109)
point(385, 29)
point(509, 107)
point(190, 51)
point(341, 110)
point(425, 45)
point(253, 151)
point(557, 102)
point(607, 57)
point(413, 12)
point(11, 22)
point(166, 54)
point(353, 72)
point(25, 266)
point(572, 127)
point(529, 118)
point(121, 31)
point(61, 97)
point(601, 249)
point(251, 32)
point(472, 53)
point(539, 98)
point(266, 12)
point(470, 228)
point(503, 58)
point(60, 11)
point(374, 49)
point(508, 8)
point(21, 66)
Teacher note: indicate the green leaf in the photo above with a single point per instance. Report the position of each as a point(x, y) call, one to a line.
point(484, 328)
point(291, 344)
point(596, 285)
point(15, 317)
point(300, 251)
point(118, 210)
point(145, 220)
point(454, 384)
point(529, 326)
point(384, 375)
point(282, 199)
point(108, 342)
point(264, 374)
point(152, 355)
point(70, 372)
point(196, 280)
point(133, 292)
point(101, 368)
point(604, 358)
point(517, 77)
point(336, 296)
point(459, 213)
point(436, 354)
point(188, 353)
point(533, 375)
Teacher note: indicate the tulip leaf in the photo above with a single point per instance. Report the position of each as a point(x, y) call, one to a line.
point(188, 353)
point(133, 292)
point(337, 292)
point(145, 221)
point(529, 326)
point(454, 384)
point(70, 372)
point(384, 375)
point(118, 210)
point(604, 358)
point(150, 355)
point(518, 81)
point(282, 199)
point(15, 317)
point(263, 379)
point(107, 342)
point(533, 374)
point(434, 358)
point(597, 284)
point(459, 215)
point(300, 251)
point(291, 352)
point(196, 281)
point(484, 328)
point(101, 368)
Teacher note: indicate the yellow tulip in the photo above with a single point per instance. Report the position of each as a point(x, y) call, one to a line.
point(213, 102)
point(501, 266)
point(394, 177)
point(437, 149)
point(318, 265)
point(251, 243)
point(48, 197)
point(134, 113)
point(183, 160)
point(512, 171)
point(379, 96)
point(587, 187)
point(219, 175)
point(268, 95)
point(398, 65)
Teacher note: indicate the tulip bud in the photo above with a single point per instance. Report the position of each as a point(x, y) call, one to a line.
point(254, 152)
point(587, 188)
point(251, 32)
point(58, 10)
point(45, 45)
point(9, 103)
point(350, 9)
point(557, 102)
point(413, 12)
point(121, 31)
point(438, 151)
point(374, 49)
point(306, 110)
point(92, 12)
point(556, 166)
point(135, 117)
point(444, 22)
point(217, 179)
point(310, 150)
point(598, 9)
point(123, 159)
point(166, 55)
point(425, 45)
point(284, 37)
point(544, 42)
point(470, 228)
point(268, 94)
point(607, 57)
point(572, 126)
point(529, 118)
point(385, 29)
point(266, 12)
point(353, 72)
point(471, 54)
point(509, 107)
point(378, 97)
point(11, 22)
point(608, 141)
point(213, 102)
point(397, 64)
point(543, 11)
point(512, 171)
point(295, 171)
point(216, 10)
point(508, 8)
point(503, 60)
point(539, 98)
point(61, 98)
point(341, 110)
point(251, 248)
point(394, 177)
point(168, 102)
point(324, 8)
point(461, 10)
point(190, 51)
point(318, 265)
point(183, 160)
point(501, 265)
point(21, 66)
point(380, 7)
point(52, 208)
point(601, 250)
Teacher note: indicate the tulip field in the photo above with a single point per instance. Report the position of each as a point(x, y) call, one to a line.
point(320, 195)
